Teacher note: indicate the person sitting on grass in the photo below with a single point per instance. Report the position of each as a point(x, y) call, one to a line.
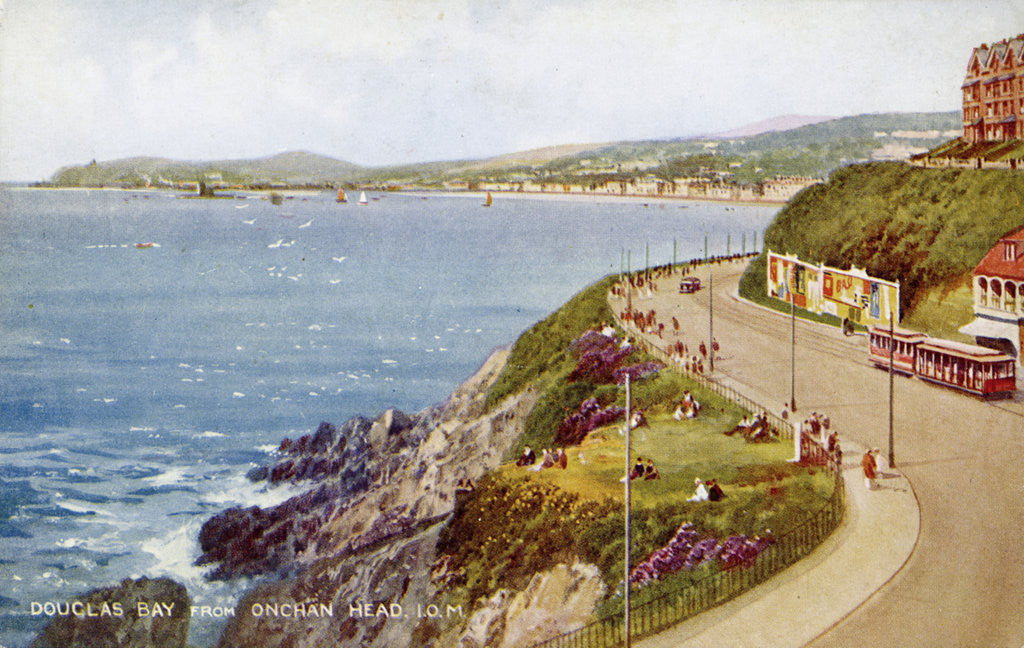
point(700, 494)
point(637, 420)
point(562, 459)
point(715, 492)
point(743, 426)
point(651, 471)
point(528, 458)
point(638, 469)
point(687, 410)
point(546, 461)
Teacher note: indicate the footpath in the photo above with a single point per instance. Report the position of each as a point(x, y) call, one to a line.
point(875, 539)
point(800, 604)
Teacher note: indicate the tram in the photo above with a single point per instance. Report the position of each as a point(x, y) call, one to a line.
point(976, 370)
point(903, 354)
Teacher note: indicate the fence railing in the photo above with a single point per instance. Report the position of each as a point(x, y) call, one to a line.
point(668, 609)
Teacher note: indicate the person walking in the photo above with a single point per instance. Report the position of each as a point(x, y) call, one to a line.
point(870, 467)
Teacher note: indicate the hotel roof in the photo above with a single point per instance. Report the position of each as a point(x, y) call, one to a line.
point(994, 263)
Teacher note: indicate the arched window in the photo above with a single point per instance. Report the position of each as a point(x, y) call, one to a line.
point(981, 292)
point(1011, 296)
point(996, 294)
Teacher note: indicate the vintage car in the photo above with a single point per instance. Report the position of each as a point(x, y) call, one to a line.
point(689, 285)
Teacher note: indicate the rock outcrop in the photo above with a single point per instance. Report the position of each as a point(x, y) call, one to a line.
point(145, 613)
point(366, 532)
point(556, 601)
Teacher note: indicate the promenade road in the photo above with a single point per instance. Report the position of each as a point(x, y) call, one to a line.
point(963, 585)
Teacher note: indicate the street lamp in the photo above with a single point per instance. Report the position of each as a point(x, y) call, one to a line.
point(711, 320)
point(792, 352)
point(625, 581)
point(892, 346)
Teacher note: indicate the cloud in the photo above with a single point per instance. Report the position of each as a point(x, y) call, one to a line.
point(381, 82)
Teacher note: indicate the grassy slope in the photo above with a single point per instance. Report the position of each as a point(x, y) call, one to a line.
point(926, 228)
point(518, 522)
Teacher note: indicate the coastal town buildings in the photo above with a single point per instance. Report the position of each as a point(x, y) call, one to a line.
point(999, 296)
point(779, 189)
point(993, 92)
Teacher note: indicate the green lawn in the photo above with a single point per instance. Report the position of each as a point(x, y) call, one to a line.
point(680, 450)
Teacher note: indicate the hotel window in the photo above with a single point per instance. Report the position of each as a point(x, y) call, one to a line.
point(1010, 251)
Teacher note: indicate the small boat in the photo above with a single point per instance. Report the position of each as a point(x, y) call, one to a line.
point(145, 246)
point(488, 200)
point(362, 198)
point(341, 195)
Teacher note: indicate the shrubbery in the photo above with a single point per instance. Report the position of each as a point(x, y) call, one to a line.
point(921, 227)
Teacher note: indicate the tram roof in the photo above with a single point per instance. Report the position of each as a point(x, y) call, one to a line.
point(898, 332)
point(960, 349)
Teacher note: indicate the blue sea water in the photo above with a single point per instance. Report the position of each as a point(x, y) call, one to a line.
point(138, 386)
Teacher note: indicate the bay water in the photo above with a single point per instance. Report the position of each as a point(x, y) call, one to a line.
point(153, 348)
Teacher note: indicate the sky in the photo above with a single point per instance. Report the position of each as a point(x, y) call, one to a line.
point(388, 82)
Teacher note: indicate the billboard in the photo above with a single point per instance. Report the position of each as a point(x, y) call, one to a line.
point(847, 294)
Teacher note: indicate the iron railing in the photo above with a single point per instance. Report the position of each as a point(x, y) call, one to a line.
point(668, 609)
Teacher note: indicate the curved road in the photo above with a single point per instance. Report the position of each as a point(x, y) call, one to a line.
point(964, 583)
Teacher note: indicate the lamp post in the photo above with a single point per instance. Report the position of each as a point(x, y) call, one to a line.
point(625, 581)
point(711, 320)
point(629, 282)
point(647, 264)
point(892, 346)
point(792, 352)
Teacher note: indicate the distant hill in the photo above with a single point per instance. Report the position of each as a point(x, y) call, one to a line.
point(790, 145)
point(775, 124)
point(293, 168)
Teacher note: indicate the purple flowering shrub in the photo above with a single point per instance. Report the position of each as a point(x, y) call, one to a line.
point(590, 416)
point(686, 550)
point(637, 371)
point(599, 360)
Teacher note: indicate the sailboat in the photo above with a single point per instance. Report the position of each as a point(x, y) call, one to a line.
point(362, 198)
point(341, 195)
point(488, 200)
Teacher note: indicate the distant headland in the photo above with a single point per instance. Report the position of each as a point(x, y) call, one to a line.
point(768, 161)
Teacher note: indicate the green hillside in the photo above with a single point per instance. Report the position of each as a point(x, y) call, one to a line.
point(926, 228)
point(293, 168)
point(812, 150)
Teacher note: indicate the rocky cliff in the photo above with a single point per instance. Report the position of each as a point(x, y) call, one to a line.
point(359, 546)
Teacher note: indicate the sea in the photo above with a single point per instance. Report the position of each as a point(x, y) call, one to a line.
point(155, 347)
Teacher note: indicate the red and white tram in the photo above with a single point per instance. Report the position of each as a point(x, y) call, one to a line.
point(904, 352)
point(969, 368)
point(979, 370)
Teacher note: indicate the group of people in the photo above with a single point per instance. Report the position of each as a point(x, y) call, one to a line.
point(643, 321)
point(709, 492)
point(549, 459)
point(689, 408)
point(754, 428)
point(818, 427)
point(644, 471)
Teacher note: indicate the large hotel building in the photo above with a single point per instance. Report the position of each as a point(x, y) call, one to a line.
point(994, 92)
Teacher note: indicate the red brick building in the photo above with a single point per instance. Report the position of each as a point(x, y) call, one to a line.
point(993, 92)
point(999, 297)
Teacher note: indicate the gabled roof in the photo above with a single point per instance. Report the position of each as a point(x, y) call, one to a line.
point(1014, 49)
point(978, 57)
point(993, 264)
point(995, 55)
